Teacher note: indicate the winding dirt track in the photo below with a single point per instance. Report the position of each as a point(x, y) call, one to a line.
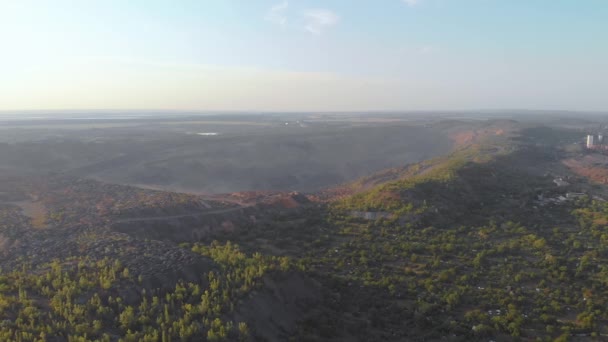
point(171, 217)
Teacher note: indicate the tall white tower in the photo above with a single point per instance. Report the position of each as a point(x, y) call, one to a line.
point(590, 141)
point(600, 138)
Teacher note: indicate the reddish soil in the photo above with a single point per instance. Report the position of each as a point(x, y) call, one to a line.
point(591, 166)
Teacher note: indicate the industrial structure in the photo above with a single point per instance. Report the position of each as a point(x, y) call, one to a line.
point(589, 141)
point(596, 144)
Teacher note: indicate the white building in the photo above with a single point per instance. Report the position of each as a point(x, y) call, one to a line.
point(590, 141)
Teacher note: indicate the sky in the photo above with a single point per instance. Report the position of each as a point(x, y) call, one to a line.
point(304, 55)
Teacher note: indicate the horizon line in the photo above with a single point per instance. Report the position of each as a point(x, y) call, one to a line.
point(230, 111)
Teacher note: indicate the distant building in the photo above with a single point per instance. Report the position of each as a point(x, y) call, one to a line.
point(600, 138)
point(560, 182)
point(590, 141)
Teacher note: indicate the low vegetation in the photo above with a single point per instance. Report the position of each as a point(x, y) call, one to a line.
point(83, 300)
point(479, 245)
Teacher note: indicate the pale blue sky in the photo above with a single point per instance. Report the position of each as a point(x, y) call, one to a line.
point(303, 55)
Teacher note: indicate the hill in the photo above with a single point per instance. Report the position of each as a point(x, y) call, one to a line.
point(479, 244)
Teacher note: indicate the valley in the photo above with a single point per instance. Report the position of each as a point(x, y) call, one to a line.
point(470, 239)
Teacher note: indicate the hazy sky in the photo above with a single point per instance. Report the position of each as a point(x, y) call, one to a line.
point(304, 55)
